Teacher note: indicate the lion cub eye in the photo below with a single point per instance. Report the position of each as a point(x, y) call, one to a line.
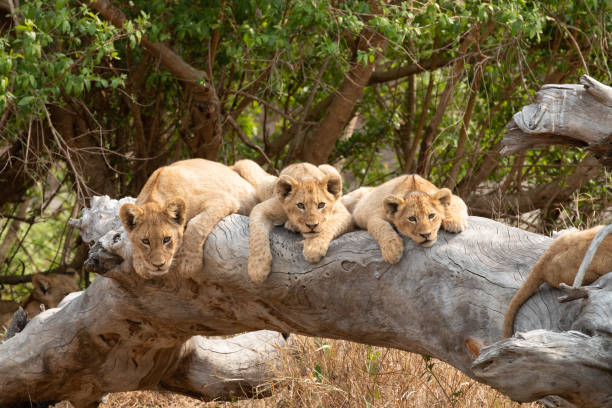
point(432, 216)
point(145, 241)
point(412, 219)
point(321, 205)
point(166, 240)
point(301, 206)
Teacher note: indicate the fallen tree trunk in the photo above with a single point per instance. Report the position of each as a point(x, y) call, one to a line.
point(126, 333)
point(567, 114)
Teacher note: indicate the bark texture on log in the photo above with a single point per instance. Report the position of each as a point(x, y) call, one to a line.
point(126, 333)
point(578, 115)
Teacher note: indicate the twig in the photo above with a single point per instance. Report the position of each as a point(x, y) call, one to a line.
point(246, 141)
point(29, 220)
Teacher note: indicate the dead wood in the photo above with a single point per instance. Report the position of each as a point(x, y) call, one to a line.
point(569, 114)
point(125, 333)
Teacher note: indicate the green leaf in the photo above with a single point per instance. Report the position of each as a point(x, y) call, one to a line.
point(26, 100)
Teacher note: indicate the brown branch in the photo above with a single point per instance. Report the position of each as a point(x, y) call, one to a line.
point(29, 220)
point(204, 103)
point(340, 111)
point(540, 197)
point(430, 64)
point(246, 141)
point(431, 129)
point(451, 180)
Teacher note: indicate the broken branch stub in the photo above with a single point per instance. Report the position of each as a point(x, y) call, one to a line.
point(567, 114)
point(125, 333)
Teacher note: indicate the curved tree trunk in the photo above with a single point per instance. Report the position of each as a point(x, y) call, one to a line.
point(126, 333)
point(568, 114)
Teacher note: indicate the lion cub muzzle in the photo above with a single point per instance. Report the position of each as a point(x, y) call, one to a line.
point(417, 216)
point(155, 232)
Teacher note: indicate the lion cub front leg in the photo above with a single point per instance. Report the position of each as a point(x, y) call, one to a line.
point(191, 253)
point(455, 215)
point(261, 220)
point(339, 222)
point(390, 242)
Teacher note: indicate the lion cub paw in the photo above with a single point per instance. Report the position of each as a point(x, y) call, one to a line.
point(190, 262)
point(315, 249)
point(455, 224)
point(291, 226)
point(392, 249)
point(259, 266)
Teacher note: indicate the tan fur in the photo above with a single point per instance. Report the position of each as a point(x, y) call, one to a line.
point(415, 207)
point(7, 308)
point(560, 264)
point(351, 199)
point(474, 346)
point(49, 290)
point(261, 180)
point(306, 199)
point(195, 193)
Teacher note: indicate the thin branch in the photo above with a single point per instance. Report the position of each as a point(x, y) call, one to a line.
point(246, 141)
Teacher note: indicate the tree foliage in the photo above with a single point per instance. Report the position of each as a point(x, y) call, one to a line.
point(95, 96)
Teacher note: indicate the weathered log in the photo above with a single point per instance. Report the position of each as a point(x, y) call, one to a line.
point(568, 114)
point(126, 333)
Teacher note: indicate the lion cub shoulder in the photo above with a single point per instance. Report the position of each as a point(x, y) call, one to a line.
point(411, 205)
point(305, 198)
point(559, 264)
point(181, 203)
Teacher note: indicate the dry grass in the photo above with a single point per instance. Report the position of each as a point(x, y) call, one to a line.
point(334, 373)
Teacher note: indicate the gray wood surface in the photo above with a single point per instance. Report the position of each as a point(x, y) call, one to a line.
point(569, 114)
point(126, 333)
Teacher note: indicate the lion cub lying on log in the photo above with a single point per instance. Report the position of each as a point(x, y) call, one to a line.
point(304, 198)
point(413, 206)
point(197, 193)
point(559, 264)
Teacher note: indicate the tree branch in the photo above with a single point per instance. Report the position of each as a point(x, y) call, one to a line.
point(578, 115)
point(134, 332)
point(321, 141)
point(205, 110)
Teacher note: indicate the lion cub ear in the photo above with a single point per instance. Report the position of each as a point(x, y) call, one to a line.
point(392, 203)
point(444, 196)
point(283, 186)
point(176, 210)
point(128, 214)
point(334, 185)
point(42, 283)
point(332, 182)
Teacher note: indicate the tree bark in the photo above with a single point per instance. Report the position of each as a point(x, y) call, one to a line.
point(126, 333)
point(203, 102)
point(578, 115)
point(321, 141)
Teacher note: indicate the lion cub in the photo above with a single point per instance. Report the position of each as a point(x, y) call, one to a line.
point(306, 199)
point(559, 264)
point(195, 193)
point(413, 206)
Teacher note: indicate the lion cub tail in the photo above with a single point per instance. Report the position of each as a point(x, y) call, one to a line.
point(530, 286)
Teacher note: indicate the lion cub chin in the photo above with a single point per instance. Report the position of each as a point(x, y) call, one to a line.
point(304, 198)
point(559, 264)
point(411, 205)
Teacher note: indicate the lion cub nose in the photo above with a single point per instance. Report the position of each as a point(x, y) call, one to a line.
point(426, 236)
point(312, 226)
point(159, 265)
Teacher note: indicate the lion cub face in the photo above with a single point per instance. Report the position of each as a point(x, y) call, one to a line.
point(308, 202)
point(155, 233)
point(418, 215)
